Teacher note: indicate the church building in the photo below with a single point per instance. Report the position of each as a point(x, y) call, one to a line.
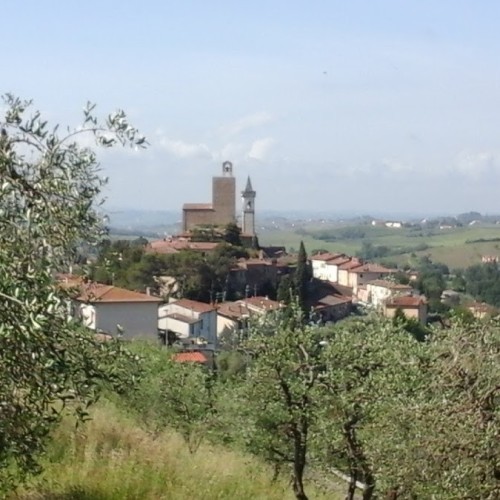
point(222, 210)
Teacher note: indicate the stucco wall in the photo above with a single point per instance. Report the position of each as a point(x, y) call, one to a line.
point(193, 218)
point(318, 269)
point(137, 319)
point(332, 273)
point(225, 325)
point(418, 313)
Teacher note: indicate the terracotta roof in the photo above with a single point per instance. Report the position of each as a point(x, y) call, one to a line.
point(183, 318)
point(326, 256)
point(406, 301)
point(334, 300)
point(197, 206)
point(233, 310)
point(338, 261)
point(263, 303)
point(190, 357)
point(347, 266)
point(245, 307)
point(345, 291)
point(97, 292)
point(194, 305)
point(370, 268)
point(389, 284)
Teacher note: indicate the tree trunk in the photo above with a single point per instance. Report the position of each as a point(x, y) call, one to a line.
point(299, 464)
point(359, 462)
point(298, 485)
point(351, 490)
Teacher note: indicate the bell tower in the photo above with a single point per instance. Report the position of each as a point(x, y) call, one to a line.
point(248, 198)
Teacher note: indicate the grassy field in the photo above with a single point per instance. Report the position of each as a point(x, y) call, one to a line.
point(112, 458)
point(448, 245)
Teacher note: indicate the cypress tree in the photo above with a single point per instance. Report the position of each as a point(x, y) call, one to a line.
point(302, 278)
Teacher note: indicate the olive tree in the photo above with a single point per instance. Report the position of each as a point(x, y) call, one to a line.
point(278, 397)
point(49, 189)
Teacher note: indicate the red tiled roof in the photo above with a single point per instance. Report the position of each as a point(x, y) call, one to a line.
point(389, 284)
point(233, 310)
point(406, 301)
point(350, 265)
point(263, 303)
point(197, 206)
point(338, 261)
point(240, 308)
point(194, 305)
point(333, 300)
point(96, 292)
point(370, 268)
point(326, 256)
point(183, 318)
point(190, 357)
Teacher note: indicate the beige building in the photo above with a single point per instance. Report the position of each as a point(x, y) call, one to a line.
point(364, 273)
point(189, 321)
point(344, 269)
point(221, 211)
point(117, 311)
point(412, 306)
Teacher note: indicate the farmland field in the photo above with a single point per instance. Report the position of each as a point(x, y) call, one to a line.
point(456, 247)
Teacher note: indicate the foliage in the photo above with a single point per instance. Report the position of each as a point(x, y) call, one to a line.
point(482, 281)
point(173, 394)
point(279, 392)
point(285, 289)
point(302, 277)
point(125, 263)
point(48, 193)
point(232, 234)
point(431, 281)
point(113, 457)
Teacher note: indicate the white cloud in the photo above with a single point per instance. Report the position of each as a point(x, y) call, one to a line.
point(245, 123)
point(184, 150)
point(395, 166)
point(475, 164)
point(259, 150)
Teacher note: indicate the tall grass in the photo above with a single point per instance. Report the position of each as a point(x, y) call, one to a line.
point(112, 458)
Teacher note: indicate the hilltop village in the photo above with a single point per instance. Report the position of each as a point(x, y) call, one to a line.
point(198, 288)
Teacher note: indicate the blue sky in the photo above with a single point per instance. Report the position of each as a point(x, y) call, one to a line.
point(362, 106)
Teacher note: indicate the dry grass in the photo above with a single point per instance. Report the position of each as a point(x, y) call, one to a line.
point(112, 458)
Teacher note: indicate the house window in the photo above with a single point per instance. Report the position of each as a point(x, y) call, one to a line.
point(201, 324)
point(361, 275)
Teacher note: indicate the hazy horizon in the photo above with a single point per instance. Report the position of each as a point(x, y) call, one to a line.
point(349, 107)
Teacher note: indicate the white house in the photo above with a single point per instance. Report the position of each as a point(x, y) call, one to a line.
point(116, 311)
point(318, 264)
point(380, 291)
point(333, 266)
point(191, 321)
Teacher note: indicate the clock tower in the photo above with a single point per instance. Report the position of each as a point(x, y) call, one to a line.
point(248, 197)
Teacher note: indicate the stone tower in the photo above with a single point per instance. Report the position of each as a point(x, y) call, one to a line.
point(248, 196)
point(224, 195)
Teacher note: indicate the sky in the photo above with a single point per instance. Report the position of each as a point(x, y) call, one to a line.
point(366, 106)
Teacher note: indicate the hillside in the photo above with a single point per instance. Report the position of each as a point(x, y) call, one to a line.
point(455, 247)
point(113, 458)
